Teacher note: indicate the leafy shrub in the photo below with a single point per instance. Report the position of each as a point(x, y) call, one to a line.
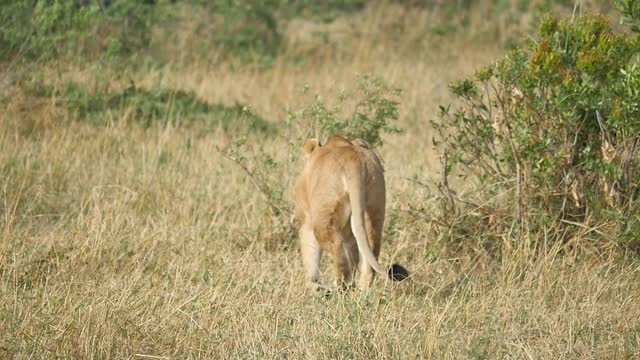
point(374, 107)
point(557, 123)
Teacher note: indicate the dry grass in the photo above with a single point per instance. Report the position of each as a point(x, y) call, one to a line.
point(120, 242)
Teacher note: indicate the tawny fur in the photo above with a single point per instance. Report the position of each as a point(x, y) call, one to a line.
point(340, 204)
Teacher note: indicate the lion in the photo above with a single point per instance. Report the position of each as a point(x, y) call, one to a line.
point(340, 205)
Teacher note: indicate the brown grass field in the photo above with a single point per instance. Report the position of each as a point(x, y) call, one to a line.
point(123, 242)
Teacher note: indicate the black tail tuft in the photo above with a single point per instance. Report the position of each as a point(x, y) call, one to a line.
point(398, 272)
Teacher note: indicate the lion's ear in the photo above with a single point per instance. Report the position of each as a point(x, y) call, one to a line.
point(309, 146)
point(361, 143)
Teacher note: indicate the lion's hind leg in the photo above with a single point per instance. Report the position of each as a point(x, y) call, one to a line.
point(311, 253)
point(345, 255)
point(347, 258)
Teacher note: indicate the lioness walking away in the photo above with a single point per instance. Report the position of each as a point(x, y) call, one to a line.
point(340, 204)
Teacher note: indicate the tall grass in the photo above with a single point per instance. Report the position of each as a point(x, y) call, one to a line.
point(119, 241)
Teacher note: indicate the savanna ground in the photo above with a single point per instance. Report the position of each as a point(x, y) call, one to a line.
point(122, 241)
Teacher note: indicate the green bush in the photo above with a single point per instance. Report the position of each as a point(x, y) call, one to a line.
point(374, 106)
point(50, 29)
point(556, 122)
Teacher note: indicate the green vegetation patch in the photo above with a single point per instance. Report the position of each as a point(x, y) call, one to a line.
point(149, 107)
point(46, 30)
point(113, 31)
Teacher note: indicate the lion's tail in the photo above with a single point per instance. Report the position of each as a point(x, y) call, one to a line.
point(356, 189)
